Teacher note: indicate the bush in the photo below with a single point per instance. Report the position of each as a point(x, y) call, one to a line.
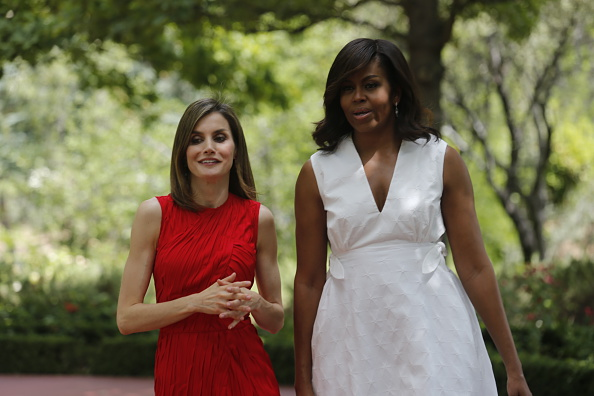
point(280, 349)
point(43, 355)
point(283, 363)
point(33, 354)
point(132, 355)
point(550, 295)
point(561, 342)
point(550, 377)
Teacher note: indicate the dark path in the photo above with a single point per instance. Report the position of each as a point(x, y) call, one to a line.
point(60, 385)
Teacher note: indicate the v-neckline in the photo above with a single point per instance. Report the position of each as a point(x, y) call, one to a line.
point(390, 187)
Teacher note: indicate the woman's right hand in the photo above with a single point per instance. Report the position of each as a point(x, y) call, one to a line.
point(214, 300)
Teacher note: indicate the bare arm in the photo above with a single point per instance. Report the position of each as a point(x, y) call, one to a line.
point(266, 305)
point(133, 315)
point(312, 244)
point(474, 266)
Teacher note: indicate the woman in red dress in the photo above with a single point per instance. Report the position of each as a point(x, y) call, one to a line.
point(204, 244)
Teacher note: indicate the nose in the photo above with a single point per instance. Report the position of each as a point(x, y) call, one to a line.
point(358, 95)
point(209, 146)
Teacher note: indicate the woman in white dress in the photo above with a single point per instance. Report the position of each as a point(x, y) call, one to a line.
point(387, 317)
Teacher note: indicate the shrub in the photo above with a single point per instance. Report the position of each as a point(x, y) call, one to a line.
point(132, 355)
point(35, 354)
point(547, 376)
point(550, 295)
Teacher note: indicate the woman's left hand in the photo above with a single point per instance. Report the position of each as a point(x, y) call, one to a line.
point(517, 386)
point(241, 306)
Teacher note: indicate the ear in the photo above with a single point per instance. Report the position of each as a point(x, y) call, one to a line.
point(396, 96)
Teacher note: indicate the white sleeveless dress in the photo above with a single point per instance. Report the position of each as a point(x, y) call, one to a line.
point(392, 319)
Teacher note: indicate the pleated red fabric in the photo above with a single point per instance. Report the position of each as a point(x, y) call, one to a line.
point(199, 355)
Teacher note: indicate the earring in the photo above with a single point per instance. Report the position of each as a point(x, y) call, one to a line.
point(396, 109)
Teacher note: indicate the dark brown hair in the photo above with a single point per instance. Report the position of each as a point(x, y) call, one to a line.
point(413, 118)
point(241, 180)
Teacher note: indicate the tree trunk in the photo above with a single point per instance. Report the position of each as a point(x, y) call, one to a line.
point(428, 33)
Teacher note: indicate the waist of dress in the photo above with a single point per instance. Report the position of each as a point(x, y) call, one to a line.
point(429, 254)
point(203, 323)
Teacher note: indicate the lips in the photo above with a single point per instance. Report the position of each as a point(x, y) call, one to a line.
point(361, 113)
point(209, 161)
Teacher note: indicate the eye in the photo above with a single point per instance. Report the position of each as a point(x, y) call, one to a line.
point(220, 138)
point(196, 139)
point(346, 88)
point(371, 85)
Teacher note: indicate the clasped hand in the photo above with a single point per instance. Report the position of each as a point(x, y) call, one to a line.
point(235, 299)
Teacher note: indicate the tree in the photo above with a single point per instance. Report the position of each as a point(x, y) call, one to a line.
point(515, 83)
point(182, 35)
point(197, 40)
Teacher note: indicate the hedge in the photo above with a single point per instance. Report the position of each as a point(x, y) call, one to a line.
point(118, 356)
point(43, 355)
point(36, 354)
point(550, 377)
point(134, 356)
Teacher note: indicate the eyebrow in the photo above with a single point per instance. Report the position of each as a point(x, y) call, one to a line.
point(217, 131)
point(364, 78)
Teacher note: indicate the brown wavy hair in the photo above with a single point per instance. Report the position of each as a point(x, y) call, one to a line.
point(413, 120)
point(241, 180)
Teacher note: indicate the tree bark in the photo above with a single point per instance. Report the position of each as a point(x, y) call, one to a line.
point(428, 33)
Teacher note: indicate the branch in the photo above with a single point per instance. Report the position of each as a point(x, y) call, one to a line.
point(479, 133)
point(538, 104)
point(389, 30)
point(516, 212)
point(360, 22)
point(497, 67)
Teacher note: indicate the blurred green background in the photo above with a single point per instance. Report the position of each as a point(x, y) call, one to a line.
point(91, 93)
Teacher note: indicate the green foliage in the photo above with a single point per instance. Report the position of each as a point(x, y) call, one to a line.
point(280, 349)
point(68, 195)
point(550, 377)
point(48, 290)
point(56, 151)
point(517, 18)
point(35, 354)
point(505, 98)
point(551, 296)
point(126, 356)
point(42, 355)
point(75, 162)
point(499, 234)
point(562, 342)
point(186, 37)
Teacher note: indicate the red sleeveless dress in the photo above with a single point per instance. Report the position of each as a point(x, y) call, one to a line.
point(200, 355)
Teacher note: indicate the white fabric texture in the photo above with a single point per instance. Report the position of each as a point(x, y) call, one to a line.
point(393, 319)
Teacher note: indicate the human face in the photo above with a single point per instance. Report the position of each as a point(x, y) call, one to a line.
point(211, 150)
point(367, 100)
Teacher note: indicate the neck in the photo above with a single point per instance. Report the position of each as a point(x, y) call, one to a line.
point(210, 195)
point(373, 143)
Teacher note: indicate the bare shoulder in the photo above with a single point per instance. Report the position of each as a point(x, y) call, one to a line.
point(453, 158)
point(265, 217)
point(147, 223)
point(266, 229)
point(307, 171)
point(306, 181)
point(455, 172)
point(149, 210)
